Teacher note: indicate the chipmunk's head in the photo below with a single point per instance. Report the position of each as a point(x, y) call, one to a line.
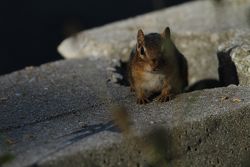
point(149, 49)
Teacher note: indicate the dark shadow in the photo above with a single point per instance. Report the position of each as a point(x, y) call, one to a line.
point(79, 135)
point(227, 73)
point(227, 69)
point(91, 130)
point(204, 84)
point(123, 70)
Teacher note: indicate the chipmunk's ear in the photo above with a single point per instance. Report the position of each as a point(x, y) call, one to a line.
point(140, 38)
point(166, 32)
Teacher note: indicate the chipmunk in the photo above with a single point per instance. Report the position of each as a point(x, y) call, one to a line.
point(156, 66)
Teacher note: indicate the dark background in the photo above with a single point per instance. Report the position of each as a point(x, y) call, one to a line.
point(32, 29)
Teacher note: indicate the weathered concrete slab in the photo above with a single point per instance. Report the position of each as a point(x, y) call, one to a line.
point(58, 114)
point(40, 105)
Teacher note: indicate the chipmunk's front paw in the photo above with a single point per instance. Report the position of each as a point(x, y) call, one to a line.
point(142, 100)
point(164, 98)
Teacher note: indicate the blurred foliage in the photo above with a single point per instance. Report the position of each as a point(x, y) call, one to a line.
point(6, 158)
point(154, 145)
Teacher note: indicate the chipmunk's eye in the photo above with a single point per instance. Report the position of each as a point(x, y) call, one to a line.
point(142, 51)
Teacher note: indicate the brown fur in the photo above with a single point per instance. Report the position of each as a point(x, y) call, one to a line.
point(156, 65)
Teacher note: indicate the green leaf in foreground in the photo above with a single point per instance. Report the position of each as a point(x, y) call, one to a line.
point(6, 158)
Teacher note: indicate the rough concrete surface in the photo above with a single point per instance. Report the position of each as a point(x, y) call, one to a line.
point(40, 106)
point(59, 114)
